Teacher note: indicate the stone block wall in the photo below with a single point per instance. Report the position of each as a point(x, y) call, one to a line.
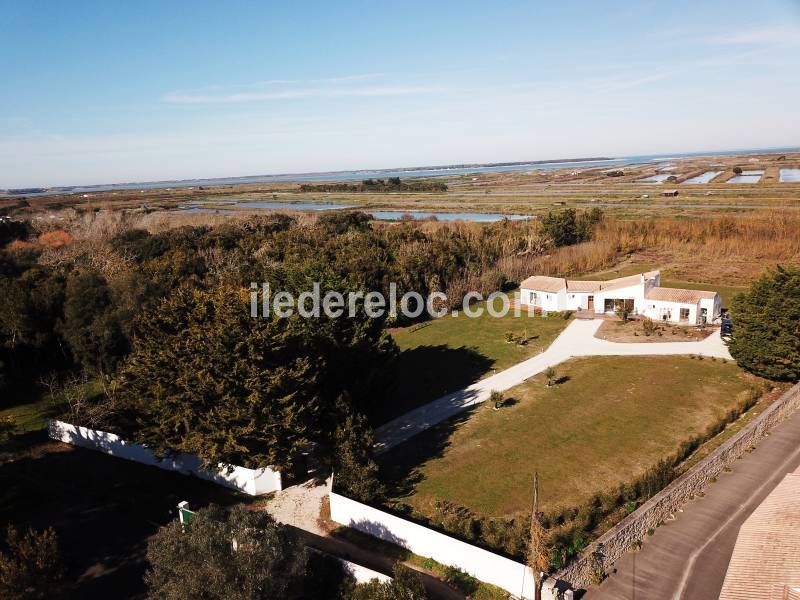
point(600, 556)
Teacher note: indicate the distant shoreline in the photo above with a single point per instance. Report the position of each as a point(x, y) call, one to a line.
point(281, 176)
point(354, 174)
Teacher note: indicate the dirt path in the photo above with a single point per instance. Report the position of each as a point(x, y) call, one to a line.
point(687, 559)
point(299, 506)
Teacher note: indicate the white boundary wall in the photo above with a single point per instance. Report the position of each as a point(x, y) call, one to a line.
point(505, 573)
point(254, 482)
point(363, 574)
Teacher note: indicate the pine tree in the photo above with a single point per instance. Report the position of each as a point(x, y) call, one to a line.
point(355, 472)
point(766, 319)
point(208, 379)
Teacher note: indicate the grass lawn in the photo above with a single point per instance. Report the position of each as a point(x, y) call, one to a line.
point(33, 415)
point(450, 353)
point(607, 422)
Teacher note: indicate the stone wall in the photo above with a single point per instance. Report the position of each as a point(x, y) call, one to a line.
point(608, 548)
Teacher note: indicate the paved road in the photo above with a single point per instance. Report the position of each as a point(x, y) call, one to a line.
point(687, 558)
point(578, 339)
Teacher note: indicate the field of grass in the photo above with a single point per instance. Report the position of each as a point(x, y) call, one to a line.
point(33, 415)
point(607, 421)
point(450, 353)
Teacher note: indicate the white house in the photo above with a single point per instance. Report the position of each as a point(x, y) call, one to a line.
point(640, 294)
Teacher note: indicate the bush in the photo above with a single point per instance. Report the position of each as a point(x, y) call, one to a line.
point(31, 567)
point(356, 473)
point(550, 376)
point(566, 227)
point(228, 553)
point(404, 585)
point(649, 327)
point(497, 399)
point(460, 580)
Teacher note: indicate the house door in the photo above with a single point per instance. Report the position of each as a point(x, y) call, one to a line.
point(591, 303)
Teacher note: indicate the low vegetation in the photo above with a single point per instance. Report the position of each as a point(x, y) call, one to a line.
point(244, 555)
point(146, 332)
point(611, 433)
point(31, 567)
point(648, 330)
point(721, 249)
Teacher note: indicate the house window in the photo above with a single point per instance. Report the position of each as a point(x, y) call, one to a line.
point(684, 314)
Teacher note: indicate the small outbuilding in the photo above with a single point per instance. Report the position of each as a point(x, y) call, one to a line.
point(670, 193)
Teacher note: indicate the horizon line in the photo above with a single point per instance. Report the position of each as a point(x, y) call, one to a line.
point(461, 165)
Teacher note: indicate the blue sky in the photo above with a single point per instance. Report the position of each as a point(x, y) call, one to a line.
point(102, 92)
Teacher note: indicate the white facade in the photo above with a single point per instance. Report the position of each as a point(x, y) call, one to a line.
point(547, 301)
point(641, 294)
point(516, 578)
point(254, 482)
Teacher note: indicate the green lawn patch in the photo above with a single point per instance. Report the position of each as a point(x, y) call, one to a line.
point(607, 422)
point(33, 415)
point(447, 354)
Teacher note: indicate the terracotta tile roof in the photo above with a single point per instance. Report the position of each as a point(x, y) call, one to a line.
point(679, 295)
point(622, 282)
point(544, 283)
point(765, 559)
point(584, 286)
point(556, 284)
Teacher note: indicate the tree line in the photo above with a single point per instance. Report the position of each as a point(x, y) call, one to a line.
point(391, 184)
point(149, 335)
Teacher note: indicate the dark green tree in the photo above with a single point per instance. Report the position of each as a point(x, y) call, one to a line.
point(567, 227)
point(587, 221)
point(561, 227)
point(766, 339)
point(230, 554)
point(90, 326)
point(29, 315)
point(31, 567)
point(12, 230)
point(207, 378)
point(355, 471)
